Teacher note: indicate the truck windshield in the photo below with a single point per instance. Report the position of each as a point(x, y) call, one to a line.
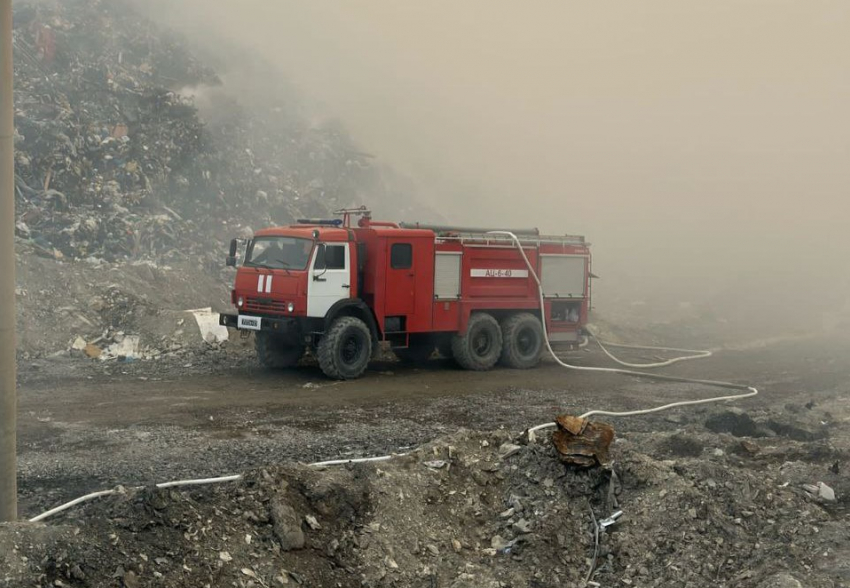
point(279, 253)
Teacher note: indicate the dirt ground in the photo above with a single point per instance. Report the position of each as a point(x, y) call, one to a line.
point(712, 495)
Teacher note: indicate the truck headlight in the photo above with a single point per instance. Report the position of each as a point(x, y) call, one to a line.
point(290, 307)
point(240, 301)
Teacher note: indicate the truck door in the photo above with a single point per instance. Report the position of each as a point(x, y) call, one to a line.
point(329, 278)
point(400, 293)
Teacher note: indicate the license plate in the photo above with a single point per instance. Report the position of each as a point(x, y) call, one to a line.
point(249, 322)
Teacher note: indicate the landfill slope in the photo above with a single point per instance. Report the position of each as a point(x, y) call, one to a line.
point(117, 165)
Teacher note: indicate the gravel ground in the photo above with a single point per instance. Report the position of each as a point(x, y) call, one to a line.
point(714, 495)
point(153, 421)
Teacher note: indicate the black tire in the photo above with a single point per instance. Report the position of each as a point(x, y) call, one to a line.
point(273, 353)
point(481, 346)
point(345, 349)
point(522, 336)
point(419, 350)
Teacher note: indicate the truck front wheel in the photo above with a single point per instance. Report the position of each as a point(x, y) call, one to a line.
point(273, 353)
point(345, 349)
point(523, 341)
point(480, 347)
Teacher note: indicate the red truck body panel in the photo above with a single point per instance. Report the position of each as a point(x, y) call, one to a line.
point(422, 280)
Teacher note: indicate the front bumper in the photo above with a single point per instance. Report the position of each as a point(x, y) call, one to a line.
point(289, 328)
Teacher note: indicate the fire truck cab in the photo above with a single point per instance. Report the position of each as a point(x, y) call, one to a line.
point(340, 290)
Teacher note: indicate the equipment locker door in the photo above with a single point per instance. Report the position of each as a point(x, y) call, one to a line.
point(401, 277)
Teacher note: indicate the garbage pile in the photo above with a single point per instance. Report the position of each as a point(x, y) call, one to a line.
point(114, 161)
point(468, 510)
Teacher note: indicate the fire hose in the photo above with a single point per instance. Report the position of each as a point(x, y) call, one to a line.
point(691, 354)
point(695, 354)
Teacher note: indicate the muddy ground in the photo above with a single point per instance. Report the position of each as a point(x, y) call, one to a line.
point(739, 513)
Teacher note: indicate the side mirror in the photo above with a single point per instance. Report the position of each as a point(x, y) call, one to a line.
point(230, 260)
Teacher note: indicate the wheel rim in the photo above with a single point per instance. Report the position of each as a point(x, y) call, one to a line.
point(352, 348)
point(527, 341)
point(482, 343)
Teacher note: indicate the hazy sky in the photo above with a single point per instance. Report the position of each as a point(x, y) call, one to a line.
point(694, 142)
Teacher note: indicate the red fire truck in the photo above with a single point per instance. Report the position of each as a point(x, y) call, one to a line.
point(341, 289)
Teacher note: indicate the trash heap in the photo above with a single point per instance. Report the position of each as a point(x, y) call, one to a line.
point(114, 161)
point(474, 509)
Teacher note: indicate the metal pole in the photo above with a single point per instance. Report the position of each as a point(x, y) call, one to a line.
point(8, 391)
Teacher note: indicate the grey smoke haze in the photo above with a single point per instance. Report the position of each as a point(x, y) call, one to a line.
point(702, 146)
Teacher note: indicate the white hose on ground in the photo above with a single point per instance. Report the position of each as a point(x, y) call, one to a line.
point(750, 391)
point(695, 354)
point(197, 482)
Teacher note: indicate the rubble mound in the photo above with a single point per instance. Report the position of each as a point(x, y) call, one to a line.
point(469, 510)
point(132, 156)
point(114, 160)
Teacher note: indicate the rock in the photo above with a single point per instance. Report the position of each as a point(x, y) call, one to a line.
point(131, 580)
point(750, 447)
point(676, 418)
point(286, 525)
point(522, 526)
point(781, 580)
point(498, 542)
point(93, 351)
point(515, 502)
point(79, 344)
point(435, 464)
point(77, 573)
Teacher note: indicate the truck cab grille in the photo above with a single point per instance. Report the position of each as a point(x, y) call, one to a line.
point(264, 305)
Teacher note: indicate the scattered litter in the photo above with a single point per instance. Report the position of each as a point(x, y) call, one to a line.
point(508, 449)
point(820, 491)
point(605, 523)
point(312, 522)
point(211, 331)
point(125, 347)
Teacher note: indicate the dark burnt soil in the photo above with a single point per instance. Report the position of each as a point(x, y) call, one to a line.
point(703, 505)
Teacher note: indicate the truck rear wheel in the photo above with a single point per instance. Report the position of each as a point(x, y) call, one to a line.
point(273, 353)
point(522, 336)
point(480, 347)
point(345, 349)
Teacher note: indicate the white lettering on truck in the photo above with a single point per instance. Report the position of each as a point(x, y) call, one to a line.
point(498, 273)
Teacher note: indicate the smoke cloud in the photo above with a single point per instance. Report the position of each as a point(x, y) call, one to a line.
point(703, 147)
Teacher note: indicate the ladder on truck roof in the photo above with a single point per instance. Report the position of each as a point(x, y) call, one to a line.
point(481, 236)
